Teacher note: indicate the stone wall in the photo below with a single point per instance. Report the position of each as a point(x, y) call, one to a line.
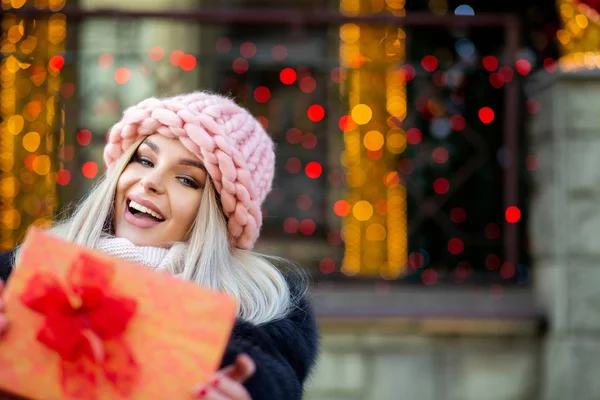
point(427, 344)
point(565, 230)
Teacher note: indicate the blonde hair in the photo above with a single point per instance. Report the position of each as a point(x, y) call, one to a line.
point(253, 279)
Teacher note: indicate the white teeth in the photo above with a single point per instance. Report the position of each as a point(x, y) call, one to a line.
point(143, 209)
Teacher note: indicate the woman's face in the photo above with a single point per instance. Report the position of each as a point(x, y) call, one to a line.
point(158, 193)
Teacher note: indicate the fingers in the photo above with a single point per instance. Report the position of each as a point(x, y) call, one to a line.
point(243, 368)
point(224, 388)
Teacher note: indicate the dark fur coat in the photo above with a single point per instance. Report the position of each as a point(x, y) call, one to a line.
point(284, 350)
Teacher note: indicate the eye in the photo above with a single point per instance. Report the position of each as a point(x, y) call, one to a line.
point(187, 181)
point(144, 161)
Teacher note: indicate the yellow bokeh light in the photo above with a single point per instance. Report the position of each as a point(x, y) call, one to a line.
point(29, 44)
point(31, 142)
point(361, 114)
point(7, 161)
point(373, 140)
point(356, 177)
point(395, 4)
point(362, 210)
point(17, 3)
point(41, 165)
point(15, 33)
point(396, 143)
point(9, 187)
point(11, 219)
point(375, 232)
point(581, 20)
point(566, 11)
point(349, 33)
point(12, 65)
point(15, 124)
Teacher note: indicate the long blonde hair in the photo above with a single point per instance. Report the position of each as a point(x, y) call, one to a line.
point(260, 287)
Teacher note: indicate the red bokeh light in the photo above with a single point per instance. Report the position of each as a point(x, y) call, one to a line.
point(334, 238)
point(308, 84)
point(455, 246)
point(240, 66)
point(248, 50)
point(550, 65)
point(457, 122)
point(327, 266)
point(309, 141)
point(223, 45)
point(63, 177)
point(414, 136)
point(288, 76)
point(293, 135)
point(416, 260)
point(523, 66)
point(429, 277)
point(105, 60)
point(156, 53)
point(262, 94)
point(409, 72)
point(122, 76)
point(316, 113)
point(56, 63)
point(175, 57)
point(90, 169)
point(497, 80)
point(308, 227)
point(513, 214)
point(458, 215)
point(440, 155)
point(313, 170)
point(304, 202)
point(67, 90)
point(486, 115)
point(490, 63)
point(84, 137)
point(293, 165)
point(532, 162)
point(279, 52)
point(187, 62)
point(291, 225)
point(346, 123)
point(441, 185)
point(341, 208)
point(507, 270)
point(429, 63)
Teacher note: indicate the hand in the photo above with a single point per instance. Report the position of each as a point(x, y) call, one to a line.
point(3, 320)
point(226, 384)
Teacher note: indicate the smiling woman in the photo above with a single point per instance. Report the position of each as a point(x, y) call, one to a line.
point(185, 181)
point(159, 193)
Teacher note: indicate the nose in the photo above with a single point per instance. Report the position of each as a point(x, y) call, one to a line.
point(153, 182)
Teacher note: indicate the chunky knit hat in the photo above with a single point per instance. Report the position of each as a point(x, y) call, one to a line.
point(235, 149)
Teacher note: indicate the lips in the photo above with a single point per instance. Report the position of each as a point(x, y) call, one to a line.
point(141, 219)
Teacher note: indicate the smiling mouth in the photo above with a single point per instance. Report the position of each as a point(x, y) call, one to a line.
point(140, 211)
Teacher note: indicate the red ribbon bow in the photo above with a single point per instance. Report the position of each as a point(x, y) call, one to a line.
point(84, 323)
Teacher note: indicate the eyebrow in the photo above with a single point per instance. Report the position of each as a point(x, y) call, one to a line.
point(182, 161)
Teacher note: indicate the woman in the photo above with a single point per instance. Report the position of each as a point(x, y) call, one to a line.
point(185, 180)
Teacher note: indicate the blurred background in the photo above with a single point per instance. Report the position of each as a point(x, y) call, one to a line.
point(438, 167)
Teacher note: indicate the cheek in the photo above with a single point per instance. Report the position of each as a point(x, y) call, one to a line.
point(185, 207)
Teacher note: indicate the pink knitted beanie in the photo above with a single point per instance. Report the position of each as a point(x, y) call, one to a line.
point(235, 149)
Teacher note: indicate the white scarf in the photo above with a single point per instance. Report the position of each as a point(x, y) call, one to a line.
point(158, 258)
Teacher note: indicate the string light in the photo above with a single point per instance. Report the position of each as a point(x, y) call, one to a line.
point(31, 84)
point(374, 208)
point(579, 37)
